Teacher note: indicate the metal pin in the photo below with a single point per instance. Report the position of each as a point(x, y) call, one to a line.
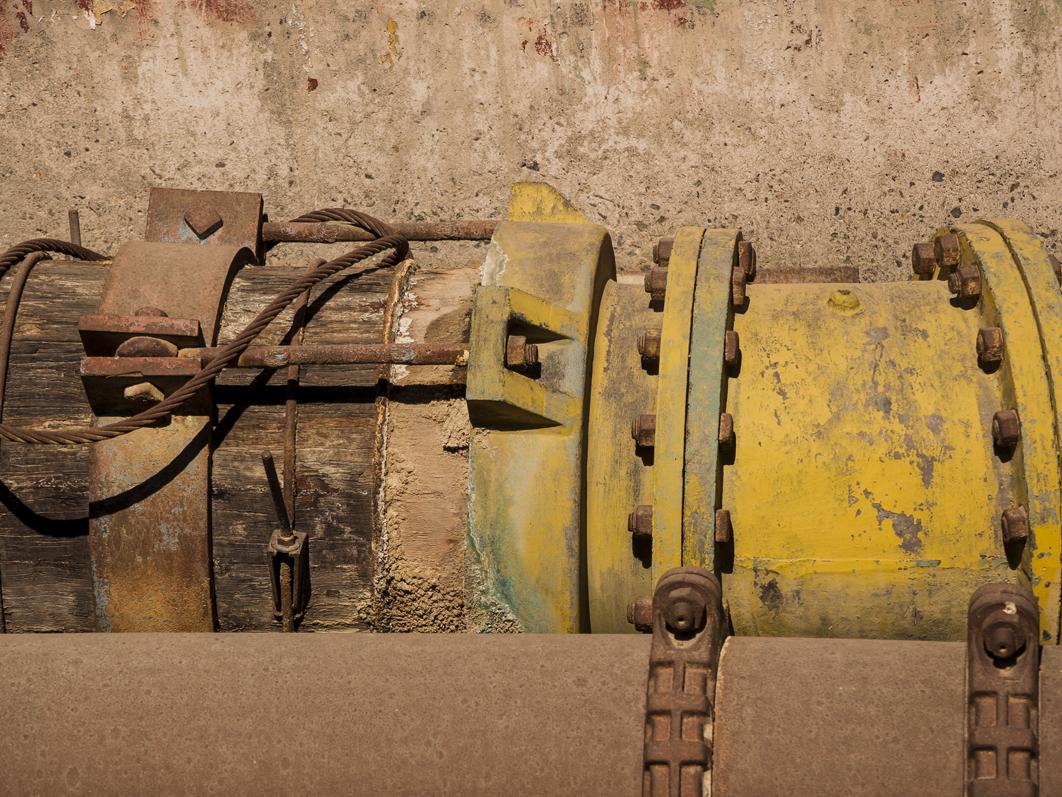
point(74, 219)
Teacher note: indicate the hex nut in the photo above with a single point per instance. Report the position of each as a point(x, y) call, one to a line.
point(731, 348)
point(649, 345)
point(656, 284)
point(1002, 637)
point(640, 522)
point(946, 250)
point(640, 614)
point(726, 430)
point(1006, 428)
point(643, 430)
point(965, 282)
point(1015, 524)
point(923, 259)
point(724, 527)
point(990, 345)
point(737, 288)
point(519, 354)
point(746, 254)
point(662, 251)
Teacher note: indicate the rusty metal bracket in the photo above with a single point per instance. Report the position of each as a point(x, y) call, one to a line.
point(688, 634)
point(1002, 693)
point(288, 552)
point(149, 491)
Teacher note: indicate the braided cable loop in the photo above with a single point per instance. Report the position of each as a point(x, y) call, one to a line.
point(230, 352)
point(20, 250)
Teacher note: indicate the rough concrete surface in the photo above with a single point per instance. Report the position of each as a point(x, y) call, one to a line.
point(832, 132)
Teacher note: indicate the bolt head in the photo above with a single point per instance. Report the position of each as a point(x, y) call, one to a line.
point(143, 393)
point(923, 259)
point(145, 346)
point(1006, 428)
point(724, 528)
point(685, 612)
point(643, 430)
point(726, 430)
point(640, 614)
point(965, 282)
point(731, 348)
point(204, 221)
point(737, 288)
point(662, 251)
point(640, 522)
point(649, 345)
point(1015, 524)
point(746, 254)
point(656, 284)
point(946, 250)
point(990, 345)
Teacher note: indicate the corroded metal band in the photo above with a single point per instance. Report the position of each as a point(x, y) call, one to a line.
point(1002, 693)
point(688, 632)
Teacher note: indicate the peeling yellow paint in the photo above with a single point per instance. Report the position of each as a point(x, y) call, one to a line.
point(392, 53)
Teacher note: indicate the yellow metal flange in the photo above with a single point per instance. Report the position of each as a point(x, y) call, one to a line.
point(543, 278)
point(1020, 295)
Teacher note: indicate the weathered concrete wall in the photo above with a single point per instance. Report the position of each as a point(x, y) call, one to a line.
point(831, 131)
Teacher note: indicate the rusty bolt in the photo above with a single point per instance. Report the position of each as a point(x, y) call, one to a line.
point(685, 612)
point(649, 345)
point(724, 527)
point(640, 614)
point(656, 284)
point(154, 312)
point(640, 522)
point(519, 353)
point(990, 345)
point(731, 348)
point(923, 259)
point(203, 220)
point(1006, 428)
point(1015, 524)
point(146, 346)
point(643, 430)
point(662, 251)
point(143, 393)
point(1056, 266)
point(965, 282)
point(737, 288)
point(726, 430)
point(946, 250)
point(746, 253)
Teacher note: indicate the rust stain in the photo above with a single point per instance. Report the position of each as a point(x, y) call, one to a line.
point(223, 10)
